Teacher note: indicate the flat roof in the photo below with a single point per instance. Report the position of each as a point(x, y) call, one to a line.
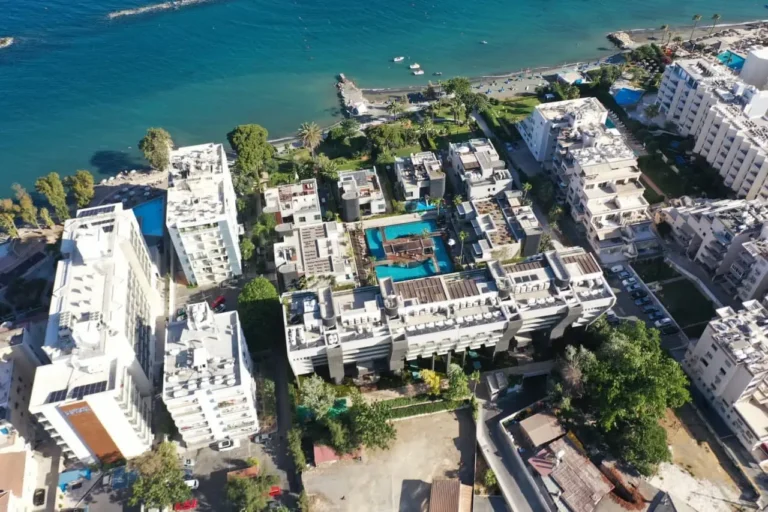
point(196, 185)
point(444, 495)
point(542, 428)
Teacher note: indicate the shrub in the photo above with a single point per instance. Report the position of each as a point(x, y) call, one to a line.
point(427, 408)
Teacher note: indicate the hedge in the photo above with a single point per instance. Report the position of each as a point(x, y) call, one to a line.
point(408, 400)
point(427, 408)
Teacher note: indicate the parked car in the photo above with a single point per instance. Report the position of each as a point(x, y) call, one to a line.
point(670, 329)
point(220, 308)
point(633, 287)
point(186, 505)
point(192, 483)
point(642, 301)
point(629, 281)
point(661, 323)
point(624, 275)
point(616, 269)
point(657, 315)
point(650, 309)
point(639, 294)
point(612, 317)
point(218, 300)
point(226, 445)
point(38, 499)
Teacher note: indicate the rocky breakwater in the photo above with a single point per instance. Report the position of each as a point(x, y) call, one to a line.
point(165, 6)
point(621, 39)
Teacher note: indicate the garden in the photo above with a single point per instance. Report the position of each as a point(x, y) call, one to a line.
point(687, 305)
point(654, 270)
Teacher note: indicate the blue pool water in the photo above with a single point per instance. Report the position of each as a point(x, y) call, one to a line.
point(609, 123)
point(732, 60)
point(398, 273)
point(626, 96)
point(151, 217)
point(418, 206)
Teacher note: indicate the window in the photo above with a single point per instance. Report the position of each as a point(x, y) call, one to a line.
point(317, 217)
point(722, 371)
point(704, 362)
point(302, 219)
point(709, 355)
point(714, 348)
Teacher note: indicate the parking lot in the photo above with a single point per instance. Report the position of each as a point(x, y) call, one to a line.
point(399, 479)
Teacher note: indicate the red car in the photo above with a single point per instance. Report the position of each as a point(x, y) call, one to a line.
point(219, 300)
point(275, 491)
point(186, 505)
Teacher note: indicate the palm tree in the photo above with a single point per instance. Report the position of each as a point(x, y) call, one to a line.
point(457, 200)
point(328, 169)
point(696, 19)
point(715, 19)
point(651, 111)
point(395, 109)
point(438, 201)
point(310, 135)
point(462, 237)
point(427, 127)
point(678, 40)
point(526, 188)
point(456, 109)
point(664, 28)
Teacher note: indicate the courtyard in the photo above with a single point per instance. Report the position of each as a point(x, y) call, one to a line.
point(398, 480)
point(687, 305)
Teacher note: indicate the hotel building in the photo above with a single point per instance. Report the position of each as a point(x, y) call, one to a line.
point(95, 396)
point(295, 205)
point(201, 214)
point(477, 170)
point(368, 329)
point(420, 176)
point(361, 194)
point(207, 386)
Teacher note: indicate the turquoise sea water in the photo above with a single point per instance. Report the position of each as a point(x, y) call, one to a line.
point(78, 90)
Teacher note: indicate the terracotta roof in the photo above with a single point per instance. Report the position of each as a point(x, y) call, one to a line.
point(444, 496)
point(12, 472)
point(542, 428)
point(323, 454)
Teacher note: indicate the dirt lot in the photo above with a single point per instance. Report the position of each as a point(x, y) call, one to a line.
point(398, 480)
point(700, 473)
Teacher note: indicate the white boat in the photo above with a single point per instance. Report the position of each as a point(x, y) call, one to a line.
point(418, 72)
point(398, 59)
point(415, 65)
point(483, 42)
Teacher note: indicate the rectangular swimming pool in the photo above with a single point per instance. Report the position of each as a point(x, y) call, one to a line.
point(401, 273)
point(732, 60)
point(151, 216)
point(626, 96)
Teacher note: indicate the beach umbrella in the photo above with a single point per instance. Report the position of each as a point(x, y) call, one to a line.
point(103, 181)
point(111, 178)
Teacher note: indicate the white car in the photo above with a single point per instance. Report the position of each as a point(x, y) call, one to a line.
point(661, 323)
point(192, 483)
point(616, 269)
point(226, 445)
point(629, 281)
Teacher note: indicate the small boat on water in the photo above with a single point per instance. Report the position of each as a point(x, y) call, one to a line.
point(438, 73)
point(483, 42)
point(418, 72)
point(415, 65)
point(398, 59)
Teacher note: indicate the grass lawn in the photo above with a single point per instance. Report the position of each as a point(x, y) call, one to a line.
point(693, 179)
point(662, 175)
point(514, 110)
point(407, 150)
point(654, 270)
point(352, 164)
point(686, 303)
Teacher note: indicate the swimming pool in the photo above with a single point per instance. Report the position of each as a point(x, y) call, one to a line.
point(398, 273)
point(151, 217)
point(732, 60)
point(626, 96)
point(609, 123)
point(418, 206)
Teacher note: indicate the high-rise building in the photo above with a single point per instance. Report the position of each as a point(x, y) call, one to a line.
point(375, 328)
point(477, 170)
point(201, 214)
point(95, 396)
point(208, 386)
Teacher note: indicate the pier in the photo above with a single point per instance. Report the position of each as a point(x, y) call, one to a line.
point(352, 99)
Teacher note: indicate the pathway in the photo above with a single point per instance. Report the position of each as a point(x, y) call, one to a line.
point(648, 181)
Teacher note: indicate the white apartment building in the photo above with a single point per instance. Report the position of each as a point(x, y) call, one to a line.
point(18, 478)
point(321, 251)
point(713, 233)
point(477, 170)
point(604, 191)
point(420, 176)
point(377, 328)
point(729, 365)
point(207, 386)
point(95, 396)
point(361, 194)
point(541, 129)
point(294, 204)
point(503, 227)
point(201, 214)
point(748, 274)
point(755, 68)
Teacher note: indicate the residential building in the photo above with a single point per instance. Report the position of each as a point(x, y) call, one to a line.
point(729, 365)
point(18, 476)
point(713, 233)
point(541, 129)
point(208, 386)
point(294, 204)
point(358, 331)
point(755, 68)
point(604, 191)
point(420, 176)
point(321, 252)
point(201, 214)
point(504, 227)
point(477, 170)
point(749, 272)
point(361, 194)
point(18, 361)
point(95, 396)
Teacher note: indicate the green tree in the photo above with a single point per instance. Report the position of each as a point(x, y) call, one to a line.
point(350, 127)
point(250, 494)
point(427, 127)
point(317, 395)
point(160, 481)
point(459, 85)
point(437, 202)
point(651, 111)
point(326, 168)
point(527, 186)
point(665, 29)
point(311, 135)
point(81, 187)
point(395, 108)
point(458, 384)
point(46, 218)
point(27, 209)
point(156, 146)
point(545, 242)
point(457, 108)
point(258, 306)
point(474, 377)
point(715, 19)
point(253, 150)
point(371, 423)
point(8, 224)
point(304, 505)
point(555, 213)
point(247, 248)
point(642, 444)
point(457, 200)
point(295, 449)
point(677, 39)
point(462, 236)
point(489, 479)
point(696, 19)
point(432, 380)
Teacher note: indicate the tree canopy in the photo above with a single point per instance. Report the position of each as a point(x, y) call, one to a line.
point(250, 494)
point(250, 143)
point(317, 395)
point(259, 308)
point(27, 209)
point(458, 85)
point(53, 190)
point(458, 384)
point(371, 423)
point(432, 380)
point(156, 146)
point(160, 481)
point(81, 187)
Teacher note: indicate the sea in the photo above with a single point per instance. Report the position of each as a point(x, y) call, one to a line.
point(78, 90)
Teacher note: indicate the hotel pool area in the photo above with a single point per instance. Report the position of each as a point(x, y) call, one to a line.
point(732, 60)
point(151, 217)
point(402, 273)
point(609, 123)
point(418, 206)
point(626, 96)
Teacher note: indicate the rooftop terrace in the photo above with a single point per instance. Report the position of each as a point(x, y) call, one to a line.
point(743, 334)
point(196, 184)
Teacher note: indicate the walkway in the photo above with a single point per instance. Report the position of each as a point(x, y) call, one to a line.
point(648, 181)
